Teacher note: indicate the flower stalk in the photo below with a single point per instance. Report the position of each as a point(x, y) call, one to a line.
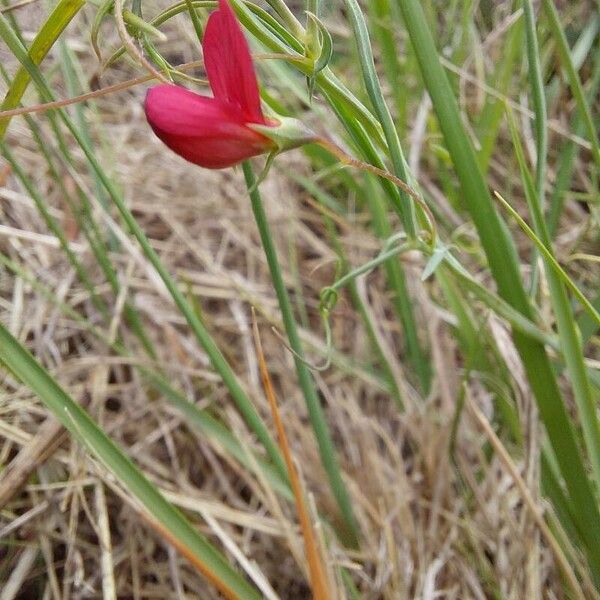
point(313, 405)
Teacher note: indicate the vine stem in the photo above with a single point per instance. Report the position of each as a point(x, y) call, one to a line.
point(313, 404)
point(346, 159)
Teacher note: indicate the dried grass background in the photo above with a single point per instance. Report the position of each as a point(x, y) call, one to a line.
point(440, 520)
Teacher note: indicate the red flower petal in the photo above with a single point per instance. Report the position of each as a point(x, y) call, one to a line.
point(229, 65)
point(202, 130)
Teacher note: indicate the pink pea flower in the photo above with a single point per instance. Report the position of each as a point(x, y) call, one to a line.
point(230, 127)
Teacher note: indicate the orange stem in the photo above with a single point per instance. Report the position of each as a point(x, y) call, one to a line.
point(319, 581)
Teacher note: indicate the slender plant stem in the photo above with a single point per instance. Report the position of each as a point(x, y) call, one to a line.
point(539, 100)
point(383, 229)
point(567, 326)
point(315, 410)
point(541, 118)
point(287, 16)
point(367, 64)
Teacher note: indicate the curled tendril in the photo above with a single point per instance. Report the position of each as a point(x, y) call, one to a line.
point(328, 345)
point(328, 299)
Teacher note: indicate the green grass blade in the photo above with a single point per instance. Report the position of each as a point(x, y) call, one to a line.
point(382, 26)
point(50, 31)
point(552, 262)
point(564, 53)
point(367, 64)
point(197, 418)
point(76, 420)
point(488, 125)
point(567, 327)
point(539, 100)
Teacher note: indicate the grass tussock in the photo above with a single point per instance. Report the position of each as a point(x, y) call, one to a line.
point(444, 473)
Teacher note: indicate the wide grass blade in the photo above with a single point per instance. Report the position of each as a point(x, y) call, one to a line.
point(199, 419)
point(50, 31)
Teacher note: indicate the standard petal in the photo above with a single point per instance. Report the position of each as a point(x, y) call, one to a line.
point(179, 111)
point(202, 130)
point(229, 65)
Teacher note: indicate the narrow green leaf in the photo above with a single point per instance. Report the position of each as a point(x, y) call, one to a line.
point(361, 35)
point(573, 77)
point(50, 31)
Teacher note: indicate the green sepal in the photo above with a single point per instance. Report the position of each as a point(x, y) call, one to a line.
point(287, 134)
point(318, 47)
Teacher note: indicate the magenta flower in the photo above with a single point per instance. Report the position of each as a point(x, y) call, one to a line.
point(215, 132)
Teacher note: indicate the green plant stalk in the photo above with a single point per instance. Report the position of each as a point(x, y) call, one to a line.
point(567, 328)
point(573, 77)
point(551, 485)
point(315, 410)
point(402, 302)
point(217, 359)
point(406, 208)
point(76, 420)
point(195, 20)
point(540, 122)
point(552, 262)
point(504, 265)
point(287, 16)
point(489, 122)
point(539, 100)
point(311, 35)
point(381, 25)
